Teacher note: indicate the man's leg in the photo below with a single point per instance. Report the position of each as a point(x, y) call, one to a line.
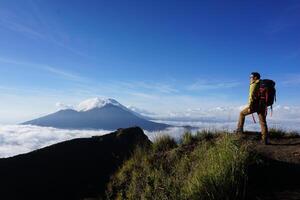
point(243, 114)
point(264, 126)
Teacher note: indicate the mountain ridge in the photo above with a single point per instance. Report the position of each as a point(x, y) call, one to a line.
point(97, 114)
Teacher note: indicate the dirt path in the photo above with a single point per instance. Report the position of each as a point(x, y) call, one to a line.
point(286, 150)
point(276, 176)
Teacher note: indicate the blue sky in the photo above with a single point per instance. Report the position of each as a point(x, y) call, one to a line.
point(162, 56)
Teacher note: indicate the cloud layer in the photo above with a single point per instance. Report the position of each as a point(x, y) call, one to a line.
point(18, 139)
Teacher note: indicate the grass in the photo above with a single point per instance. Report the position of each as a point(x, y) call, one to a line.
point(163, 143)
point(208, 165)
point(204, 135)
point(187, 139)
point(219, 171)
point(202, 166)
point(278, 133)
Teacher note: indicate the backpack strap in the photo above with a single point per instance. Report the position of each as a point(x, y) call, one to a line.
point(271, 110)
point(267, 96)
point(253, 118)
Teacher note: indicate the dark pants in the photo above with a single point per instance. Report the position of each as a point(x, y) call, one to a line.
point(262, 120)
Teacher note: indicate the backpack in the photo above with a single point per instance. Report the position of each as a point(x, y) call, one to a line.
point(267, 93)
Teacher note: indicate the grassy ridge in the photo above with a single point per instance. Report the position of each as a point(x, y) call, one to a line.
point(201, 166)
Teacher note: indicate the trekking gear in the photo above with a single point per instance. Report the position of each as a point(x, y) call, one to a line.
point(265, 97)
point(253, 118)
point(267, 94)
point(267, 91)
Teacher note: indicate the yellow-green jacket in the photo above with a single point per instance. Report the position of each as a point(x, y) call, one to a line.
point(253, 91)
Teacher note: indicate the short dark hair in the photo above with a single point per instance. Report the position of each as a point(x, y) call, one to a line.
point(256, 74)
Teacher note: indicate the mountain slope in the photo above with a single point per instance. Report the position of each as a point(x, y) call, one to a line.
point(108, 115)
point(68, 170)
point(212, 165)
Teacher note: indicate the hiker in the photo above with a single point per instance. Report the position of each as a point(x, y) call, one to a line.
point(255, 105)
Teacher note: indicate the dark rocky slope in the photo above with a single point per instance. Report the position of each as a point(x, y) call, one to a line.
point(68, 170)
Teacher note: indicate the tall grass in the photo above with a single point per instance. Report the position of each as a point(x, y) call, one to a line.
point(198, 168)
point(219, 171)
point(278, 133)
point(163, 143)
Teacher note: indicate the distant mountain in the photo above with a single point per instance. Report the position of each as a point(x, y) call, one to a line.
point(70, 170)
point(97, 113)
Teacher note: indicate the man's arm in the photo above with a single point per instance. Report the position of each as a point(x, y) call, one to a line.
point(252, 95)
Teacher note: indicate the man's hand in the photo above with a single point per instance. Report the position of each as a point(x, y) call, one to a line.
point(249, 110)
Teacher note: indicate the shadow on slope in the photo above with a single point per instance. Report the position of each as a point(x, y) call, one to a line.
point(275, 174)
point(273, 179)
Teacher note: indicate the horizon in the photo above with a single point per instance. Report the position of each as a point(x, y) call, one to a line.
point(166, 58)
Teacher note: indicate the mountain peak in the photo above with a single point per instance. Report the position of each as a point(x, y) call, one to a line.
point(97, 113)
point(97, 102)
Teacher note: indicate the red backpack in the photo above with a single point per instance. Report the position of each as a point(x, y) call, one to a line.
point(266, 95)
point(267, 92)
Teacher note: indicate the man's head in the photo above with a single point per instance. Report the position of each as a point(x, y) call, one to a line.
point(254, 76)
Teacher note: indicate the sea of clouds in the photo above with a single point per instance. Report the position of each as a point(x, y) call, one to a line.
point(19, 139)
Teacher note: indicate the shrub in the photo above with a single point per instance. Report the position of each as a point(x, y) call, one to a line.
point(164, 143)
point(187, 138)
point(220, 171)
point(211, 170)
point(276, 133)
point(206, 135)
point(292, 134)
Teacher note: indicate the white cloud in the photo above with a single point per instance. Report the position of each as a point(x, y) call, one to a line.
point(62, 106)
point(220, 113)
point(211, 85)
point(174, 132)
point(32, 28)
point(18, 27)
point(17, 139)
point(229, 113)
point(97, 102)
point(64, 74)
point(53, 70)
point(283, 117)
point(141, 111)
point(156, 87)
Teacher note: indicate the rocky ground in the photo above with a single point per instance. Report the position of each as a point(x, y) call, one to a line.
point(276, 174)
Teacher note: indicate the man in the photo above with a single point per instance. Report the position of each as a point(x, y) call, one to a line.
point(255, 105)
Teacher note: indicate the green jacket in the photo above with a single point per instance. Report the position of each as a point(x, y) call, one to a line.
point(253, 91)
